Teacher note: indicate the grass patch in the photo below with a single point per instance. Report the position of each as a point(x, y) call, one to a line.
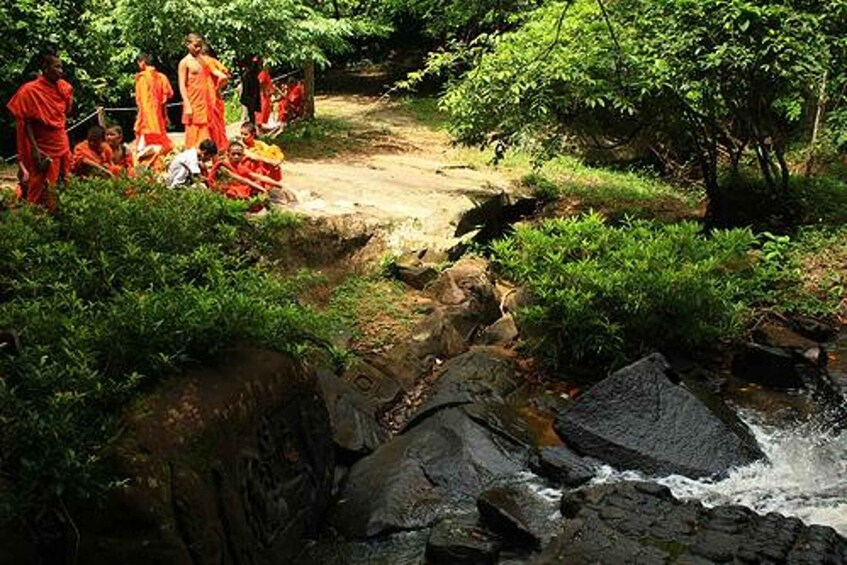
point(111, 295)
point(377, 310)
point(425, 111)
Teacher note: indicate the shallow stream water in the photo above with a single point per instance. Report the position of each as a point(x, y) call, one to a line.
point(806, 476)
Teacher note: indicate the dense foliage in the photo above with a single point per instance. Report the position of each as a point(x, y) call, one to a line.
point(716, 83)
point(111, 295)
point(605, 294)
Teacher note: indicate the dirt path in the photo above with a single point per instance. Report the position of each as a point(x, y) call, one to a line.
point(379, 160)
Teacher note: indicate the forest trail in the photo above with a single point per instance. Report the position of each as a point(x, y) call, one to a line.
point(386, 163)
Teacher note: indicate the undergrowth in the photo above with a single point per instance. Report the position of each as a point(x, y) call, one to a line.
point(108, 297)
point(604, 294)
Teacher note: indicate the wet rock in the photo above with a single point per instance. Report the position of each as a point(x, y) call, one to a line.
point(775, 335)
point(380, 388)
point(419, 269)
point(564, 466)
point(474, 376)
point(632, 522)
point(351, 416)
point(501, 332)
point(422, 475)
point(779, 367)
point(637, 418)
point(435, 336)
point(517, 514)
point(460, 541)
point(468, 289)
point(813, 329)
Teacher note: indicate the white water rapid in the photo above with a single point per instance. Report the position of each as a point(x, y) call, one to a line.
point(806, 476)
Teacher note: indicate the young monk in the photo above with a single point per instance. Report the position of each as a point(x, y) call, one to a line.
point(93, 157)
point(233, 176)
point(152, 92)
point(195, 86)
point(190, 164)
point(220, 77)
point(265, 158)
point(40, 108)
point(122, 161)
point(296, 100)
point(267, 89)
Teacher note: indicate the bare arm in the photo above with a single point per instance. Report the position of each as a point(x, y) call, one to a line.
point(245, 180)
point(97, 167)
point(182, 77)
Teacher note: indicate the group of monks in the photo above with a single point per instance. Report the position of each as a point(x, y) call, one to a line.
point(41, 106)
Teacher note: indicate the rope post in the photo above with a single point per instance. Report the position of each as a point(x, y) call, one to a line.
point(101, 116)
point(309, 85)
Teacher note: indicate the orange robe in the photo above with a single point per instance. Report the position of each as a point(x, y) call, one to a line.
point(227, 185)
point(45, 106)
point(261, 149)
point(217, 121)
point(124, 166)
point(265, 87)
point(152, 91)
point(83, 151)
point(296, 100)
point(199, 89)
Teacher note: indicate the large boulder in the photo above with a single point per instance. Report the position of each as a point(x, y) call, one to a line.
point(435, 468)
point(231, 464)
point(634, 522)
point(638, 418)
point(476, 376)
point(351, 415)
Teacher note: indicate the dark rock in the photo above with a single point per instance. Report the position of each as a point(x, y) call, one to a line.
point(494, 215)
point(351, 415)
point(503, 420)
point(419, 269)
point(634, 522)
point(517, 514)
point(467, 289)
point(408, 482)
point(812, 328)
point(563, 465)
point(776, 335)
point(638, 419)
point(436, 337)
point(379, 387)
point(9, 342)
point(229, 463)
point(501, 332)
point(460, 541)
point(774, 367)
point(474, 376)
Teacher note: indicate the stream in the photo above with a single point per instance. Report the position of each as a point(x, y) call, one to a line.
point(806, 476)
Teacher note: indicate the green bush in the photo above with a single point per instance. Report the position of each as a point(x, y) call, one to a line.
point(108, 296)
point(604, 294)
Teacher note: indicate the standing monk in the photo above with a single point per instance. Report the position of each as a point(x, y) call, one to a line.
point(217, 119)
point(152, 92)
point(266, 88)
point(195, 86)
point(40, 108)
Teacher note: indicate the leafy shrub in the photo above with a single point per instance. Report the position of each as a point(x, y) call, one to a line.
point(108, 296)
point(605, 294)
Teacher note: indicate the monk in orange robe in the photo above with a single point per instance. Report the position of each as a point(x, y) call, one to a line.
point(296, 100)
point(152, 92)
point(196, 86)
point(122, 162)
point(266, 89)
point(217, 119)
point(234, 176)
point(40, 108)
point(93, 157)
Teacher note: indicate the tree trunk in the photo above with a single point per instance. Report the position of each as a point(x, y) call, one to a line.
point(309, 83)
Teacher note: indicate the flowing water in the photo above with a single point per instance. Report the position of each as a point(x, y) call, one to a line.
point(806, 476)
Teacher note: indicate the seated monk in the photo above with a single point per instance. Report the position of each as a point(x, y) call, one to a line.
point(122, 161)
point(266, 159)
point(234, 177)
point(92, 157)
point(296, 100)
